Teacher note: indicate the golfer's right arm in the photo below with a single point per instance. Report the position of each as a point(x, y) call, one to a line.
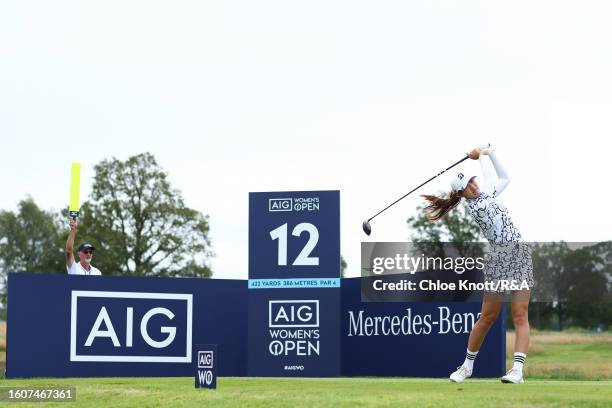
point(70, 243)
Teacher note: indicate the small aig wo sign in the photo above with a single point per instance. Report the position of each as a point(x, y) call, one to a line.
point(205, 365)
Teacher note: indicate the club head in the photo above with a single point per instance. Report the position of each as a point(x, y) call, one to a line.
point(366, 227)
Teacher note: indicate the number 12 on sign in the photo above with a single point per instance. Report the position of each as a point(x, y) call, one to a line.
point(304, 258)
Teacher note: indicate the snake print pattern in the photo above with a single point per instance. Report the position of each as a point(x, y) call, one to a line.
point(493, 219)
point(508, 258)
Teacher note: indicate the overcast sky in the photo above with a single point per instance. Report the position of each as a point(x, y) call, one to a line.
point(370, 98)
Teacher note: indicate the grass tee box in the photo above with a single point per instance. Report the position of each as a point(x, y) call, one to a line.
point(328, 392)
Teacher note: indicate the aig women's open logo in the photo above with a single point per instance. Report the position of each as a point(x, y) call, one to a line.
point(130, 327)
point(294, 327)
point(293, 204)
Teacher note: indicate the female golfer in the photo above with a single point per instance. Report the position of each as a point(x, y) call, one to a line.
point(508, 259)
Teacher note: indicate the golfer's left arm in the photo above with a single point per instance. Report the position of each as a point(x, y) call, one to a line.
point(503, 179)
point(488, 178)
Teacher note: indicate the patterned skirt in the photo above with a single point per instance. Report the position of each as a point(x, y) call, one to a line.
point(509, 266)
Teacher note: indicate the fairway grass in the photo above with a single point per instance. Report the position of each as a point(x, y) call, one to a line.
point(327, 392)
point(563, 355)
point(557, 364)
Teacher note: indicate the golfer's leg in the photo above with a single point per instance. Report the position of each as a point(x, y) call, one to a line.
point(520, 307)
point(489, 312)
point(488, 315)
point(520, 317)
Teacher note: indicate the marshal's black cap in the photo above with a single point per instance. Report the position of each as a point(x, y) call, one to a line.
point(86, 245)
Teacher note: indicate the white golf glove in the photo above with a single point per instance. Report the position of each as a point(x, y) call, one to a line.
point(486, 149)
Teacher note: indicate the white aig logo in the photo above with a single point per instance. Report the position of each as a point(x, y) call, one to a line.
point(130, 327)
point(205, 359)
point(280, 204)
point(294, 327)
point(293, 313)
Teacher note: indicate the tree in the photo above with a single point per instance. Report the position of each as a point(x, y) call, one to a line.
point(140, 225)
point(549, 295)
point(29, 241)
point(588, 292)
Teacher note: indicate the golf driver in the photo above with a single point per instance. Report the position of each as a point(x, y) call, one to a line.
point(367, 228)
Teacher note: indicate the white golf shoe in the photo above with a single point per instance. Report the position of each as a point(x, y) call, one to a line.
point(514, 376)
point(461, 374)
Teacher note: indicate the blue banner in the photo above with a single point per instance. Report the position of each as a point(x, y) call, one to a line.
point(294, 234)
point(426, 339)
point(294, 271)
point(84, 326)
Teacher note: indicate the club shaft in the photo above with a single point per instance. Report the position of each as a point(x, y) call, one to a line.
point(416, 188)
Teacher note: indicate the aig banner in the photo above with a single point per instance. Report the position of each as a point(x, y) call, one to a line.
point(98, 326)
point(294, 283)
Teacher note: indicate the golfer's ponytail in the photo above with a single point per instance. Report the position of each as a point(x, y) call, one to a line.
point(438, 207)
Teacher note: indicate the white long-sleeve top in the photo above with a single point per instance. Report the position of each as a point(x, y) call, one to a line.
point(492, 216)
point(493, 184)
